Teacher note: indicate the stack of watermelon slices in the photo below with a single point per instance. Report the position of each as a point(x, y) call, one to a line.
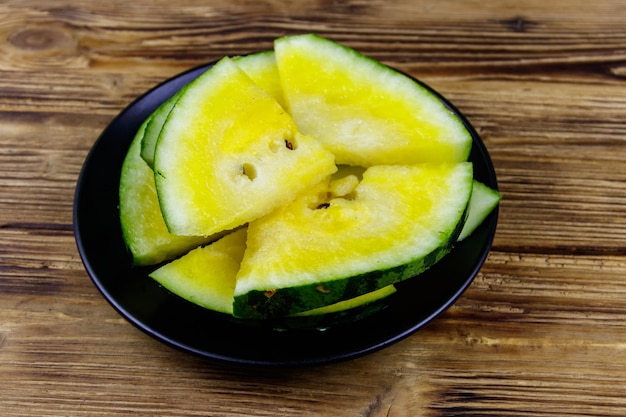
point(302, 181)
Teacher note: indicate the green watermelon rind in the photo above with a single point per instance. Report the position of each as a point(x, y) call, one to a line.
point(154, 125)
point(483, 201)
point(367, 306)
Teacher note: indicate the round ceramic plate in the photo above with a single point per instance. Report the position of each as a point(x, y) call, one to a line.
point(192, 329)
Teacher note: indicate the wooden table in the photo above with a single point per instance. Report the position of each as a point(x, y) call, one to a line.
point(542, 329)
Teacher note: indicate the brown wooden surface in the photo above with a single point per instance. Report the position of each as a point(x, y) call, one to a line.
point(541, 331)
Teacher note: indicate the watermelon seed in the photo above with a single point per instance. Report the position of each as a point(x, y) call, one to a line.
point(321, 289)
point(290, 142)
point(322, 201)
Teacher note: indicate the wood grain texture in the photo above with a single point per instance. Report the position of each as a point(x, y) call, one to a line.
point(541, 331)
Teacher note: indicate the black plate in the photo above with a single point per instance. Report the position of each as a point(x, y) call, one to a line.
point(187, 327)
